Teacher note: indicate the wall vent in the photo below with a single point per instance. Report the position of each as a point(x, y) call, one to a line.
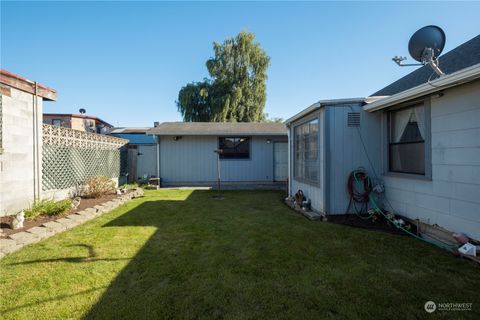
point(353, 119)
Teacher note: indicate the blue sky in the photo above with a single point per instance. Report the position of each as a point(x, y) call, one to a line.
point(125, 62)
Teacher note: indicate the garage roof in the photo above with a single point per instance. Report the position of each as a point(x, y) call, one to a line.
point(219, 129)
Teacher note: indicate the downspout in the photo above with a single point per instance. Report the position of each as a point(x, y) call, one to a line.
point(157, 138)
point(35, 144)
point(289, 187)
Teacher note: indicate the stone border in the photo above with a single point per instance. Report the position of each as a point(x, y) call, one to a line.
point(19, 240)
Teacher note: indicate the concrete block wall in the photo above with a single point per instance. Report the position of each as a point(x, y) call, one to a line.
point(20, 161)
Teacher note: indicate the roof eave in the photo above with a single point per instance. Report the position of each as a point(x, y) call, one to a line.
point(322, 103)
point(15, 81)
point(442, 83)
point(152, 132)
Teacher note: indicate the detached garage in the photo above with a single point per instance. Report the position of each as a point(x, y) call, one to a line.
point(251, 154)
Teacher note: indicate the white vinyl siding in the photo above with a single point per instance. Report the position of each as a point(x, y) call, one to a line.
point(450, 198)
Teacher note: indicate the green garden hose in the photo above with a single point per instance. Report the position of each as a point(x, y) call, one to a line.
point(378, 210)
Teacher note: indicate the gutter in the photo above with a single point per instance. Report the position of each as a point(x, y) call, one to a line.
point(460, 77)
point(328, 102)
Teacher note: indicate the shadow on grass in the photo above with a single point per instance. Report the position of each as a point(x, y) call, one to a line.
point(90, 258)
point(57, 298)
point(176, 274)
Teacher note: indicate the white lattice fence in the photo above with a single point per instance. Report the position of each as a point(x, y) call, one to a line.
point(70, 156)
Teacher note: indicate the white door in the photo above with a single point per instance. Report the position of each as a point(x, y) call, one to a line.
point(280, 156)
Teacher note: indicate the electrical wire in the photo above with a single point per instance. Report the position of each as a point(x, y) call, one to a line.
point(376, 208)
point(398, 226)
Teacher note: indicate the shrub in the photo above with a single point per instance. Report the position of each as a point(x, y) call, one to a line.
point(128, 186)
point(97, 186)
point(48, 207)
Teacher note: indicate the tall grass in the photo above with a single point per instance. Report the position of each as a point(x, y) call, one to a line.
point(48, 207)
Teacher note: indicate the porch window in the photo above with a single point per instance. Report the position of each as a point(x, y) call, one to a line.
point(407, 140)
point(306, 162)
point(57, 122)
point(234, 147)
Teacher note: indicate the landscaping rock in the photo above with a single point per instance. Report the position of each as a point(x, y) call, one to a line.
point(77, 217)
point(8, 246)
point(69, 223)
point(55, 226)
point(41, 232)
point(17, 240)
point(100, 208)
point(88, 214)
point(24, 238)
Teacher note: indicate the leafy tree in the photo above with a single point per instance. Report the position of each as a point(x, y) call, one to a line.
point(236, 91)
point(194, 103)
point(273, 119)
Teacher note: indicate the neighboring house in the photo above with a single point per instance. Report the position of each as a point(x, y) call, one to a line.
point(422, 137)
point(77, 122)
point(20, 140)
point(142, 153)
point(253, 154)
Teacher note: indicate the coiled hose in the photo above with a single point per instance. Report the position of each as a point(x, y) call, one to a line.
point(362, 179)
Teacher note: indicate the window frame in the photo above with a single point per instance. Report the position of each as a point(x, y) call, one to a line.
point(303, 179)
point(426, 140)
point(57, 119)
point(236, 137)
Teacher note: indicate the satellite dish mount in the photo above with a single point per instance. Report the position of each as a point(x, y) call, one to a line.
point(425, 46)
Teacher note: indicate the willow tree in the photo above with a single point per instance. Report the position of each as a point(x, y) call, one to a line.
point(236, 91)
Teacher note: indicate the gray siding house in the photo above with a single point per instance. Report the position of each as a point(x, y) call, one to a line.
point(430, 142)
point(422, 137)
point(325, 147)
point(141, 157)
point(253, 154)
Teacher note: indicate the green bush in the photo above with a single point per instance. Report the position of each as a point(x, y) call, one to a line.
point(48, 207)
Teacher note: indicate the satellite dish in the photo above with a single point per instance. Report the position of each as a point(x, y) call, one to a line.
point(82, 111)
point(427, 44)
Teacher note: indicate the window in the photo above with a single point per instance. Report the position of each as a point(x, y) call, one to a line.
point(306, 162)
point(57, 122)
point(234, 148)
point(407, 133)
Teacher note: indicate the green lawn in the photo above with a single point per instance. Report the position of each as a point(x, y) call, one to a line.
point(182, 254)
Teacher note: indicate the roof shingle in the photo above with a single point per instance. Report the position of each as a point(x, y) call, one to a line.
point(463, 56)
point(219, 129)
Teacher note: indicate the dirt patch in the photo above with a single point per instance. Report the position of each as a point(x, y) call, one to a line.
point(84, 204)
point(379, 224)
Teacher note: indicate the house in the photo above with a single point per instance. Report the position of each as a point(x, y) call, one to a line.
point(142, 153)
point(80, 122)
point(325, 146)
point(419, 136)
point(430, 142)
point(251, 154)
point(20, 140)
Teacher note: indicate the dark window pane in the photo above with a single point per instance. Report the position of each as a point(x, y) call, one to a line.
point(408, 158)
point(407, 135)
point(234, 148)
